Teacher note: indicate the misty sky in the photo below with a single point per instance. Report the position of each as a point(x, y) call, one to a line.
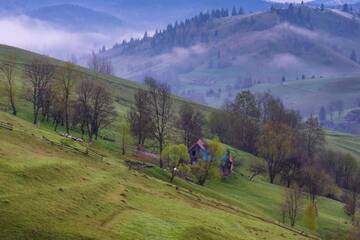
point(41, 37)
point(35, 35)
point(286, 1)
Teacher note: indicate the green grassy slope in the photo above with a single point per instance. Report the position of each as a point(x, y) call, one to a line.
point(264, 199)
point(344, 142)
point(48, 193)
point(309, 95)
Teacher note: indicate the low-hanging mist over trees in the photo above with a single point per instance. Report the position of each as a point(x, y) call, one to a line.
point(100, 64)
point(222, 49)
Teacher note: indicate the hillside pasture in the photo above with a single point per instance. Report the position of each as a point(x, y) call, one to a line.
point(51, 193)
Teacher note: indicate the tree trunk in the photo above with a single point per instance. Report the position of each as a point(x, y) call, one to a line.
point(202, 181)
point(67, 120)
point(354, 199)
point(172, 175)
point(123, 143)
point(288, 183)
point(11, 91)
point(272, 177)
point(161, 149)
point(56, 125)
point(12, 103)
point(82, 130)
point(272, 174)
point(36, 115)
point(90, 134)
point(96, 134)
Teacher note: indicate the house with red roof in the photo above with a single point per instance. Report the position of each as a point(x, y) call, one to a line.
point(199, 152)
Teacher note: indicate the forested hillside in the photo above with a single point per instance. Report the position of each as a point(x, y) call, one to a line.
point(212, 56)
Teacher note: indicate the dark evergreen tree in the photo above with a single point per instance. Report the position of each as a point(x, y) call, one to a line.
point(234, 12)
point(353, 56)
point(145, 36)
point(291, 7)
point(322, 114)
point(272, 9)
point(241, 11)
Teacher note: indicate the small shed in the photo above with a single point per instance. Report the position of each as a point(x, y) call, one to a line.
point(199, 151)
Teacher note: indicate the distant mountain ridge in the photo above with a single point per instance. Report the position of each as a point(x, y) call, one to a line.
point(76, 18)
point(335, 2)
point(209, 58)
point(154, 13)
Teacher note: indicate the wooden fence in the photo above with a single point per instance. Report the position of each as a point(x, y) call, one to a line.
point(88, 152)
point(136, 165)
point(7, 126)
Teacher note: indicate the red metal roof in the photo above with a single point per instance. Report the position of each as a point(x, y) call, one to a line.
point(202, 144)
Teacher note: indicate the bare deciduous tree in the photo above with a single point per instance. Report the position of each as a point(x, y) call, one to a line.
point(292, 203)
point(139, 117)
point(191, 123)
point(125, 136)
point(40, 73)
point(56, 109)
point(47, 101)
point(256, 168)
point(8, 70)
point(95, 106)
point(316, 181)
point(160, 111)
point(66, 79)
point(352, 200)
point(100, 64)
point(314, 137)
point(275, 145)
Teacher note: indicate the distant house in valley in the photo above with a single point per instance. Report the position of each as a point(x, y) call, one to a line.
point(199, 152)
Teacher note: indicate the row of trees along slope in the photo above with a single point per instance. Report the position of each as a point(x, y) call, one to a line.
point(61, 94)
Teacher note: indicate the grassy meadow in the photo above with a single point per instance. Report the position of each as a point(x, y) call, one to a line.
point(50, 193)
point(309, 95)
point(344, 142)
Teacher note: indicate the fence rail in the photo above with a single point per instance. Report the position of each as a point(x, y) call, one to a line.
point(87, 152)
point(7, 126)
